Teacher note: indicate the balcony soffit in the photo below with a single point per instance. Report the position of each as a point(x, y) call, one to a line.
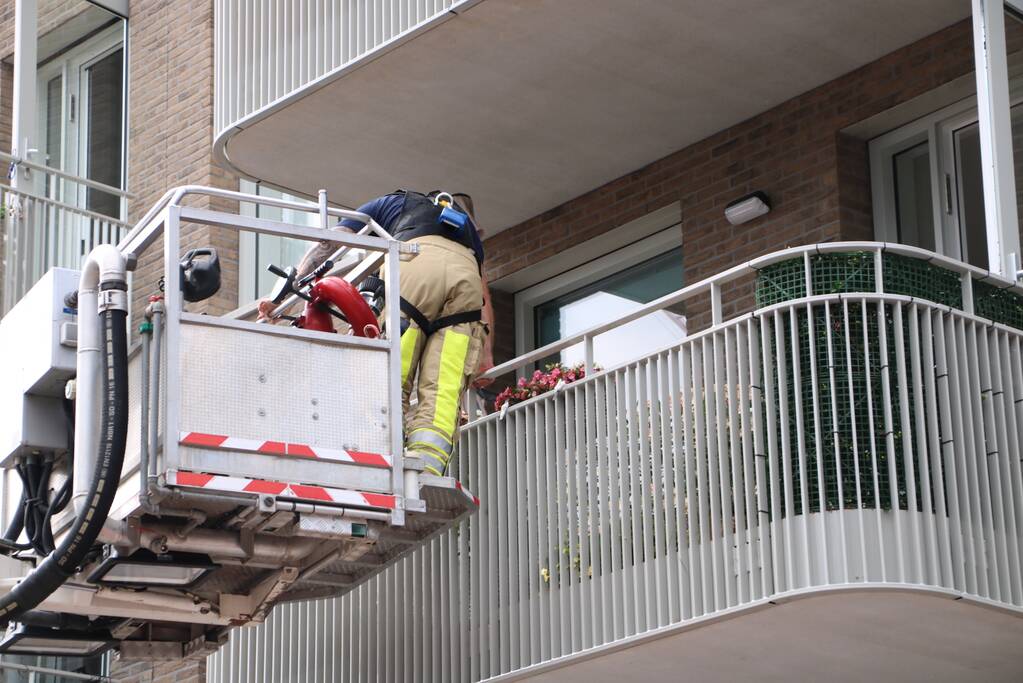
point(849, 636)
point(527, 104)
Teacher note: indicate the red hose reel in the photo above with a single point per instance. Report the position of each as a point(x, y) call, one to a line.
point(334, 291)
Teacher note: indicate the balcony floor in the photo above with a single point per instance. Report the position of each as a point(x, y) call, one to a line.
point(844, 636)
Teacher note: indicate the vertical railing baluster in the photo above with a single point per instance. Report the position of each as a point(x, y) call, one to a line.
point(990, 477)
point(929, 560)
point(666, 466)
point(688, 458)
point(963, 450)
point(592, 574)
point(1012, 373)
point(1007, 451)
point(915, 549)
point(976, 465)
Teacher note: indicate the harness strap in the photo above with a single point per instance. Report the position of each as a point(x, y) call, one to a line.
point(428, 327)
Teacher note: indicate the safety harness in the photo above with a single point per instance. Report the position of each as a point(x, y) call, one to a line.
point(429, 327)
point(422, 216)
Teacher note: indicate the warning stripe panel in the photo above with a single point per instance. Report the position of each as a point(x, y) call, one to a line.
point(277, 488)
point(475, 499)
point(270, 447)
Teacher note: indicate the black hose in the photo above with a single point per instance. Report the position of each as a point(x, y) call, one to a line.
point(75, 546)
point(17, 522)
point(40, 503)
point(58, 503)
point(28, 497)
point(77, 622)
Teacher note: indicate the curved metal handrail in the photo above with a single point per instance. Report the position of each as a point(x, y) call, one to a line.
point(713, 286)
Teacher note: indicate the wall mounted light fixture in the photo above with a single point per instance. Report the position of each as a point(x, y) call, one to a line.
point(747, 208)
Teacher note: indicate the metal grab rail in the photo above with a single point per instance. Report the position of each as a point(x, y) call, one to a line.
point(78, 180)
point(43, 233)
point(857, 441)
point(713, 286)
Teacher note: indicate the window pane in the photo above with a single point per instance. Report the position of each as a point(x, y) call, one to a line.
point(54, 117)
point(969, 177)
point(103, 146)
point(1014, 48)
point(608, 299)
point(281, 251)
point(913, 198)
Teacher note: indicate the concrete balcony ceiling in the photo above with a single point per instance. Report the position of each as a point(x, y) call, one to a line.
point(866, 636)
point(527, 104)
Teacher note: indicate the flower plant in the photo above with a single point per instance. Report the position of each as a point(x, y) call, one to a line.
point(540, 382)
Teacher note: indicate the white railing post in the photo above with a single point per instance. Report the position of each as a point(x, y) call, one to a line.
point(716, 315)
point(879, 270)
point(966, 284)
point(23, 131)
point(996, 152)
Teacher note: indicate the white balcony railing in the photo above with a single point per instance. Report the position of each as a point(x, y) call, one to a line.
point(266, 50)
point(42, 231)
point(859, 427)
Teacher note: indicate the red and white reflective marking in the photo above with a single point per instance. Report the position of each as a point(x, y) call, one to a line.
point(299, 450)
point(277, 488)
point(467, 494)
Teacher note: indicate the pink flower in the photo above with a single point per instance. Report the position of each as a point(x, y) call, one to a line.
point(522, 381)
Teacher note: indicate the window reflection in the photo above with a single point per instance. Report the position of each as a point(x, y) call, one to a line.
point(610, 298)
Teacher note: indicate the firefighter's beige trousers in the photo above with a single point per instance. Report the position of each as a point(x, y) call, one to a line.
point(442, 280)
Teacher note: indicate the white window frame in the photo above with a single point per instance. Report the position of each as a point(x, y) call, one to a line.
point(644, 249)
point(937, 130)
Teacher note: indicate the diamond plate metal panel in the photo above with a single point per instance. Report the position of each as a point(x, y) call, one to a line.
point(258, 386)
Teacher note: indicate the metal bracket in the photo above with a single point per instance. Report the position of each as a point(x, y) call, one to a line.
point(271, 589)
point(247, 540)
point(115, 299)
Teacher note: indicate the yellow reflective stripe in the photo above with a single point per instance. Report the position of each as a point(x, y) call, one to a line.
point(408, 347)
point(449, 382)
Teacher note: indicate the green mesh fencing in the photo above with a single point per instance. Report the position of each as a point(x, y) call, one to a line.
point(849, 451)
point(850, 442)
point(854, 272)
point(998, 304)
point(853, 444)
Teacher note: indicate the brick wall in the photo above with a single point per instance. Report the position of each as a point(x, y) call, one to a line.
point(817, 177)
point(170, 135)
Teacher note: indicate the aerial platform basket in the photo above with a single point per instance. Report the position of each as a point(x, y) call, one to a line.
point(271, 453)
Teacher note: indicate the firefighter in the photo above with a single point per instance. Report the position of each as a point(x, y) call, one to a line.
point(447, 316)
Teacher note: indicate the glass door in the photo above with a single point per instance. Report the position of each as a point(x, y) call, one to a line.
point(80, 104)
point(963, 213)
point(80, 119)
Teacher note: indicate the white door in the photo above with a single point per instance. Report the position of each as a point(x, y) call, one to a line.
point(81, 110)
point(80, 105)
point(928, 184)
